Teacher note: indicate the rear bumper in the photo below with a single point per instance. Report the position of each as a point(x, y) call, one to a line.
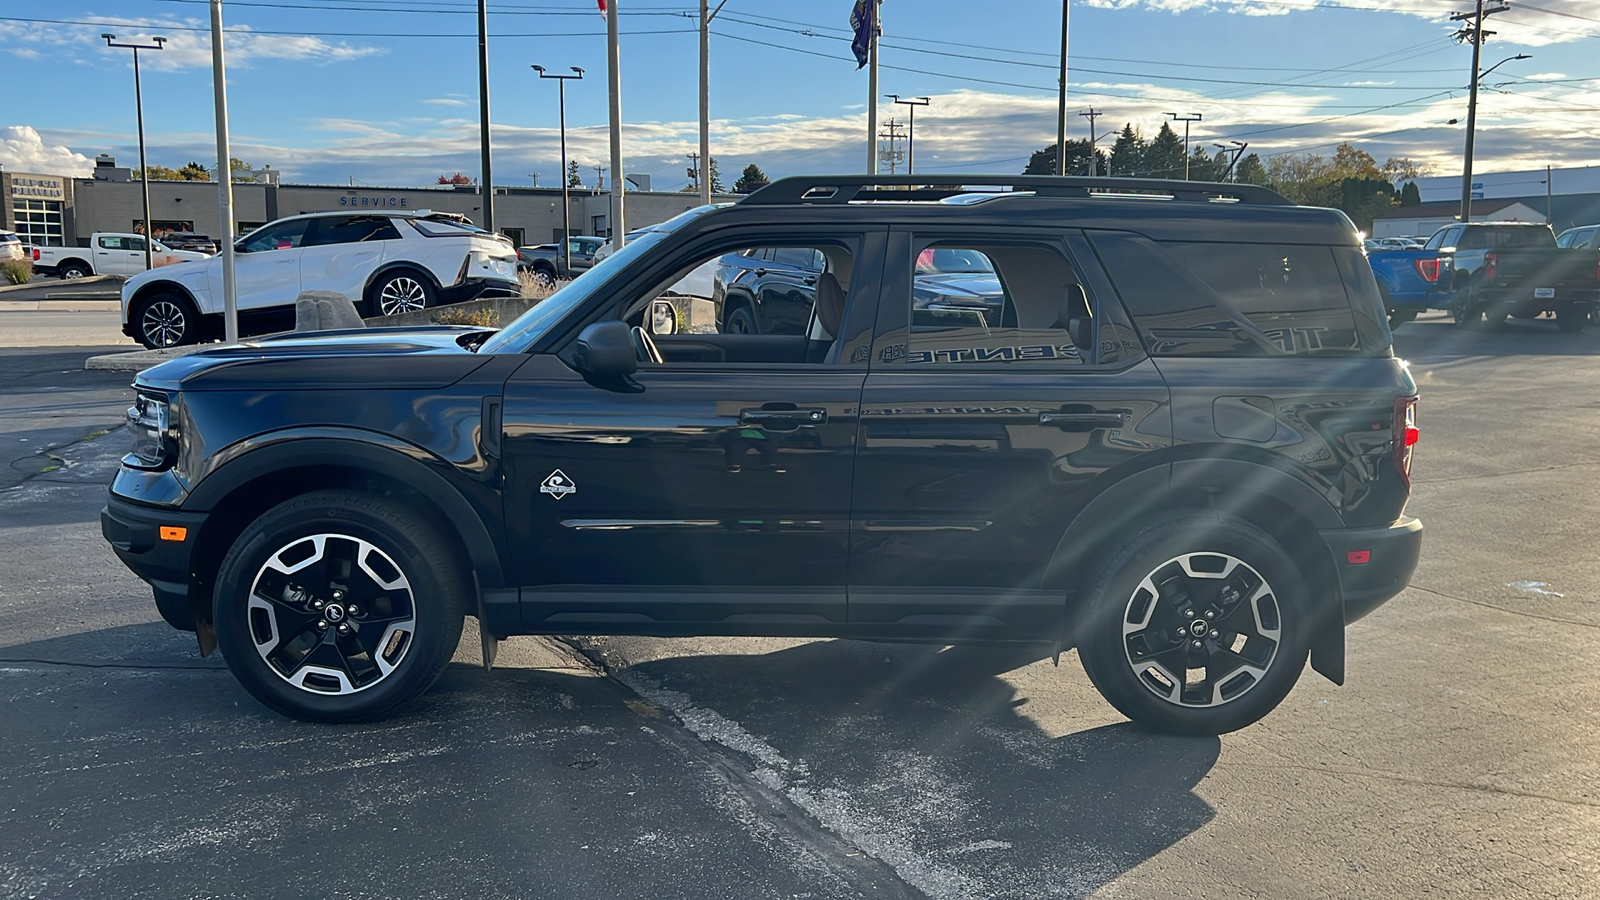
point(1521, 301)
point(480, 289)
point(135, 533)
point(1391, 554)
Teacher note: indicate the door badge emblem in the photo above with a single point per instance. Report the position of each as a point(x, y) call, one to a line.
point(557, 485)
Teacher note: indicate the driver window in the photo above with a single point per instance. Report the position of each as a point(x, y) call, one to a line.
point(779, 304)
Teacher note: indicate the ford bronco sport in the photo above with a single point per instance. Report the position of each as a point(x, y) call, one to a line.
point(1181, 443)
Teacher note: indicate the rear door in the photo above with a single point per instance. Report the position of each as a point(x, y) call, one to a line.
point(116, 254)
point(981, 440)
point(341, 253)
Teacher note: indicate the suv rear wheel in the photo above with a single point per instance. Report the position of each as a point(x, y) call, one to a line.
point(1199, 625)
point(339, 606)
point(398, 292)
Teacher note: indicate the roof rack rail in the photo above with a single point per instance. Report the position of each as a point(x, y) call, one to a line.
point(822, 189)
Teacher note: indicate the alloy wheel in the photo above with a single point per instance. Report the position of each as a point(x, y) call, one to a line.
point(1201, 630)
point(164, 323)
point(402, 294)
point(331, 614)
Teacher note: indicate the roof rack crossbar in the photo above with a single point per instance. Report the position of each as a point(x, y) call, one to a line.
point(830, 189)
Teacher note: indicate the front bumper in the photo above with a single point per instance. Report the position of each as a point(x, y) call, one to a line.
point(156, 544)
point(1391, 554)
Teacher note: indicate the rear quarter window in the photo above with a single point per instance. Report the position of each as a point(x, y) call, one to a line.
point(1231, 299)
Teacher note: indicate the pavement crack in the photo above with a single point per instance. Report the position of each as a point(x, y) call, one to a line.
point(861, 870)
point(137, 667)
point(56, 462)
point(1509, 612)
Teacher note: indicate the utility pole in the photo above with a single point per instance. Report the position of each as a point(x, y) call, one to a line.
point(911, 132)
point(872, 89)
point(1549, 197)
point(599, 178)
point(1474, 33)
point(1091, 114)
point(1185, 119)
point(1061, 101)
point(619, 227)
point(144, 169)
point(695, 180)
point(892, 156)
point(219, 88)
point(535, 177)
point(483, 115)
point(704, 178)
point(1237, 150)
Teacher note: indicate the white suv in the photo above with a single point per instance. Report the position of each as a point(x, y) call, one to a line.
point(386, 263)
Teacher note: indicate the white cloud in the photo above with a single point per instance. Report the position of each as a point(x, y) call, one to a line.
point(1546, 76)
point(188, 44)
point(23, 150)
point(446, 101)
point(1553, 22)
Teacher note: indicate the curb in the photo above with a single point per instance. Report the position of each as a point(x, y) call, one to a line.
point(38, 282)
point(139, 360)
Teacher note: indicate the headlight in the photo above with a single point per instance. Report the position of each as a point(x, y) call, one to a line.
point(153, 436)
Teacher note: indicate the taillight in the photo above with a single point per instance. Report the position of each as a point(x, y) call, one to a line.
point(1491, 265)
point(1405, 435)
point(36, 254)
point(1428, 269)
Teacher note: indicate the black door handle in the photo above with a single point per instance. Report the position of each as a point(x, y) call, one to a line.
point(761, 272)
point(811, 279)
point(782, 419)
point(1084, 418)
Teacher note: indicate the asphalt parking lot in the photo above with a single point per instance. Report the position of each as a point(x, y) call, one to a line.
point(1456, 761)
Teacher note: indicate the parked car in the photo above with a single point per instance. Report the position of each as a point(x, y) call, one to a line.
point(11, 247)
point(189, 240)
point(1185, 450)
point(547, 260)
point(107, 254)
point(1584, 237)
point(770, 290)
point(387, 263)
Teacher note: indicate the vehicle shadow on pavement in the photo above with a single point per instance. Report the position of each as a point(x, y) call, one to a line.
point(942, 758)
point(1440, 341)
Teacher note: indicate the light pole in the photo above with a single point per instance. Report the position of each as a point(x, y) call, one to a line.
point(911, 132)
point(144, 169)
point(1472, 126)
point(1186, 119)
point(1237, 150)
point(566, 181)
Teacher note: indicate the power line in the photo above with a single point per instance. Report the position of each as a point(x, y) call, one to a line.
point(347, 34)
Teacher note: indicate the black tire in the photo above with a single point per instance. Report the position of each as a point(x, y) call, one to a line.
point(278, 578)
point(1130, 668)
point(1570, 320)
point(1398, 317)
point(741, 320)
point(400, 291)
point(74, 269)
point(166, 320)
point(545, 276)
point(1467, 312)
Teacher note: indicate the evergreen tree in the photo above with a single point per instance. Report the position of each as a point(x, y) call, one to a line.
point(751, 180)
point(716, 177)
point(194, 171)
point(1127, 154)
point(1250, 170)
point(574, 174)
point(1410, 195)
point(1205, 167)
point(1164, 157)
point(1043, 161)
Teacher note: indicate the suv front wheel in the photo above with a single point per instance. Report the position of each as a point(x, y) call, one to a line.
point(1199, 627)
point(339, 606)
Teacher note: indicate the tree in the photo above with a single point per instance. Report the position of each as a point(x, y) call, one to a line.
point(1164, 157)
point(1043, 161)
point(457, 178)
point(1206, 167)
point(241, 170)
point(1127, 154)
point(158, 173)
point(194, 171)
point(1410, 195)
point(1401, 168)
point(694, 178)
point(574, 174)
point(716, 177)
point(1250, 170)
point(1351, 162)
point(750, 180)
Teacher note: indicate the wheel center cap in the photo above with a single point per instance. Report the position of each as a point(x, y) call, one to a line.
point(1198, 627)
point(333, 612)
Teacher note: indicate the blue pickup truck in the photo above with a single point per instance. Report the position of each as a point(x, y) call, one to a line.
point(1483, 272)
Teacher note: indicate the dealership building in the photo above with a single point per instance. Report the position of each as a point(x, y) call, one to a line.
point(1563, 198)
point(55, 210)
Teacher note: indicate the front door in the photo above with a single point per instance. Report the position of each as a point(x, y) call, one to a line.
point(714, 496)
point(1002, 387)
point(266, 269)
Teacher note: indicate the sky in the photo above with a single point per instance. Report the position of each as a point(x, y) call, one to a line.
point(384, 92)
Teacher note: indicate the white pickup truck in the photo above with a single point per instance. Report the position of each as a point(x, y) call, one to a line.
point(107, 254)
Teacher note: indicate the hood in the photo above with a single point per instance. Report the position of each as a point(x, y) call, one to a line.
point(186, 256)
point(193, 264)
point(982, 287)
point(398, 358)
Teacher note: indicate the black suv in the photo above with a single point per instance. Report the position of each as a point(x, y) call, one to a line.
point(1183, 446)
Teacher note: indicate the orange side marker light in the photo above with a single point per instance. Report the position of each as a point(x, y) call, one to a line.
point(173, 532)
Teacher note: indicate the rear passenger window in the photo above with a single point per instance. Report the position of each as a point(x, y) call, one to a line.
point(974, 303)
point(1214, 299)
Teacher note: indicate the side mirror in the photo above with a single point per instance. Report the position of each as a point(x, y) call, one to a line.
point(605, 350)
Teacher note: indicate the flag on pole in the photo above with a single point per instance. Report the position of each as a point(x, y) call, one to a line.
point(862, 23)
point(602, 9)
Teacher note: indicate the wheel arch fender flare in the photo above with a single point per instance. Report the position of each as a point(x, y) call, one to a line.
point(263, 456)
point(161, 287)
point(738, 295)
point(397, 266)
